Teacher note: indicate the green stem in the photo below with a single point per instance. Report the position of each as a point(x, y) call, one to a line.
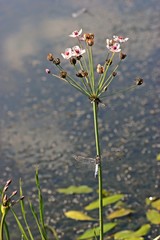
point(2, 225)
point(98, 151)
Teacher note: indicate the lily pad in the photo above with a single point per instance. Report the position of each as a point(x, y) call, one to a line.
point(78, 216)
point(119, 213)
point(153, 216)
point(75, 189)
point(106, 201)
point(95, 231)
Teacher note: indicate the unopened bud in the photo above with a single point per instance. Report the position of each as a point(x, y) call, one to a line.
point(48, 71)
point(5, 188)
point(14, 193)
point(139, 81)
point(105, 89)
point(4, 200)
point(8, 182)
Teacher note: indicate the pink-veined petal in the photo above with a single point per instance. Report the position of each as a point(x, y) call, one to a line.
point(76, 33)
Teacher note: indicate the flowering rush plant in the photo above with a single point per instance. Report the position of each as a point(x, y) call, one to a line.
point(93, 81)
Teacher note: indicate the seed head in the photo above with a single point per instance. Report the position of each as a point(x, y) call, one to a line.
point(114, 74)
point(81, 74)
point(56, 61)
point(108, 62)
point(50, 57)
point(63, 74)
point(100, 69)
point(73, 61)
point(122, 55)
point(89, 38)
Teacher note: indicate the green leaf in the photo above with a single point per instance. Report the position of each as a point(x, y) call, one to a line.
point(75, 189)
point(158, 157)
point(153, 216)
point(126, 235)
point(123, 234)
point(133, 235)
point(119, 213)
point(95, 231)
point(143, 230)
point(156, 204)
point(106, 201)
point(78, 216)
point(150, 200)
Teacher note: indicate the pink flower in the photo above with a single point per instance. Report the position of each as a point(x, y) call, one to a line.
point(115, 47)
point(67, 54)
point(76, 33)
point(77, 51)
point(120, 39)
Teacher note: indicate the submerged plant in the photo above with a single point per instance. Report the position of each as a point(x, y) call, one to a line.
point(92, 80)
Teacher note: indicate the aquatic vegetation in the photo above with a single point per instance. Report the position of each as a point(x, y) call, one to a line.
point(93, 81)
point(24, 225)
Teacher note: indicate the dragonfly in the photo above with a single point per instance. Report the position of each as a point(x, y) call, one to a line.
point(95, 161)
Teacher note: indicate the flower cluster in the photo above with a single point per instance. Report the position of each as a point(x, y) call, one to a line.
point(81, 57)
point(75, 51)
point(114, 44)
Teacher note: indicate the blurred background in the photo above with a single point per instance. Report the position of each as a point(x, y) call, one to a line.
point(43, 121)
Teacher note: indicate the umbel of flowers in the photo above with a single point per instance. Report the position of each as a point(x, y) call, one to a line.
point(93, 81)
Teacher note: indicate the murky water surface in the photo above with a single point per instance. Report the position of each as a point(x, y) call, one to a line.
point(44, 121)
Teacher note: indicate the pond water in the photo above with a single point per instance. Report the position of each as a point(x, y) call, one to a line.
point(44, 121)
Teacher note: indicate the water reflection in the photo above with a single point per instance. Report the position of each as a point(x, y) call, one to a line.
point(44, 121)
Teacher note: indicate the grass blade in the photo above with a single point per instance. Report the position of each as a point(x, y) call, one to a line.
point(21, 228)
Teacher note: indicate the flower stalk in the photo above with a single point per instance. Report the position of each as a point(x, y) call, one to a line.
point(87, 82)
point(98, 152)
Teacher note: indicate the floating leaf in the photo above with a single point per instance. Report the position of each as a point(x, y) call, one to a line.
point(153, 216)
point(158, 157)
point(131, 235)
point(95, 231)
point(156, 204)
point(143, 230)
point(126, 235)
point(78, 216)
point(75, 189)
point(150, 200)
point(119, 213)
point(106, 201)
point(123, 234)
